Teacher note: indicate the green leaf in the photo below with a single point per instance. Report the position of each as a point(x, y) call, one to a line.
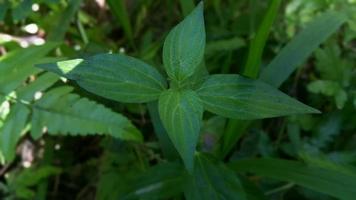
point(18, 65)
point(300, 48)
point(322, 179)
point(41, 83)
point(113, 76)
point(224, 45)
point(62, 112)
point(4, 6)
point(60, 28)
point(22, 10)
point(11, 130)
point(252, 67)
point(183, 48)
point(213, 180)
point(329, 88)
point(237, 97)
point(181, 113)
point(159, 182)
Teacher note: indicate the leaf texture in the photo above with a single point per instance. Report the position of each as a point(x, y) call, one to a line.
point(322, 179)
point(16, 66)
point(214, 181)
point(117, 77)
point(181, 113)
point(183, 49)
point(234, 96)
point(62, 112)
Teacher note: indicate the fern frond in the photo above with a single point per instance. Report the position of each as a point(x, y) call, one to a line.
point(62, 112)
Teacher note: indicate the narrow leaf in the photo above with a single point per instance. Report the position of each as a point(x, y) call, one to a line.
point(237, 97)
point(183, 48)
point(160, 182)
point(321, 179)
point(252, 67)
point(181, 113)
point(213, 180)
point(301, 46)
point(117, 77)
point(62, 112)
point(11, 130)
point(119, 10)
point(60, 28)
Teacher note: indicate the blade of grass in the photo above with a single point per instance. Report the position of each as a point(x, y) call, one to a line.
point(235, 128)
point(301, 47)
point(336, 183)
point(118, 8)
point(58, 32)
point(252, 66)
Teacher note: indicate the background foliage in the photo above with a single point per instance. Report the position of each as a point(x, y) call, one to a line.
point(58, 141)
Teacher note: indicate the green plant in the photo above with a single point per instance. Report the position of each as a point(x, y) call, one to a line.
point(126, 79)
point(210, 144)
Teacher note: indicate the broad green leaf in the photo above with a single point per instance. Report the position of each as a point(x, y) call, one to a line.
point(181, 113)
point(322, 179)
point(237, 97)
point(183, 48)
point(113, 76)
point(252, 67)
point(16, 66)
point(159, 182)
point(11, 131)
point(213, 180)
point(235, 128)
point(62, 112)
point(301, 46)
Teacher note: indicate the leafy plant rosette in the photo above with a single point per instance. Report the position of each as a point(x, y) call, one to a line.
point(181, 104)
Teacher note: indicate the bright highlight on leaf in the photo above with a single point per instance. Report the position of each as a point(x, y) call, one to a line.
point(237, 97)
point(181, 113)
point(184, 46)
point(117, 77)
